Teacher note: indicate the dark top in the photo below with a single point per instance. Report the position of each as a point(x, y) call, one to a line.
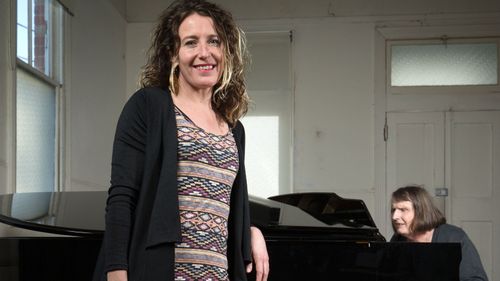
point(471, 268)
point(142, 213)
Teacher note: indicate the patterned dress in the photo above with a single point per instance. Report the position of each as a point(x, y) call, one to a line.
point(207, 168)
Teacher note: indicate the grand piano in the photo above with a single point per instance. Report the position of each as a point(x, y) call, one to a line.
point(310, 236)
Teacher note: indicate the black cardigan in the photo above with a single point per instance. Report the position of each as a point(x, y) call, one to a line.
point(142, 212)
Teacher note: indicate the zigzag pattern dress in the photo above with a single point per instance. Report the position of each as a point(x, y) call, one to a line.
point(207, 168)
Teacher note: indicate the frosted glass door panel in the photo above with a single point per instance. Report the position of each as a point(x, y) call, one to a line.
point(444, 64)
point(36, 131)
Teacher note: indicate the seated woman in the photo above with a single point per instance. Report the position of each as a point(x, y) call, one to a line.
point(415, 218)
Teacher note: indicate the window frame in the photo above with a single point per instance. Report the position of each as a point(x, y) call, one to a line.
point(58, 34)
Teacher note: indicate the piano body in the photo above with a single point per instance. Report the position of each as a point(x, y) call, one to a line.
point(310, 236)
point(321, 236)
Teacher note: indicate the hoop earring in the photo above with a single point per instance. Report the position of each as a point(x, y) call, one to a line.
point(174, 73)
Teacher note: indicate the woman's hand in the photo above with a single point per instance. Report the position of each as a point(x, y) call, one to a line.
point(259, 254)
point(117, 275)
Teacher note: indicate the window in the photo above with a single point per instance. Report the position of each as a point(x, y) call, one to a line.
point(38, 84)
point(444, 64)
point(268, 123)
point(38, 34)
point(441, 64)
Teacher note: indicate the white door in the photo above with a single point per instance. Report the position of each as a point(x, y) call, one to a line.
point(459, 151)
point(415, 153)
point(473, 178)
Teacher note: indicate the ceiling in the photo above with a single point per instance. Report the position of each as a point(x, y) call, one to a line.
point(148, 10)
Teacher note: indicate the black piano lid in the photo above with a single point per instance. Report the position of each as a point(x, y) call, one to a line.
point(330, 208)
point(315, 212)
point(326, 209)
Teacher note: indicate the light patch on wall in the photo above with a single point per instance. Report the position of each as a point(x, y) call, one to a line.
point(262, 154)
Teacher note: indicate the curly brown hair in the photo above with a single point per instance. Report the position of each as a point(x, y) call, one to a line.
point(427, 215)
point(230, 99)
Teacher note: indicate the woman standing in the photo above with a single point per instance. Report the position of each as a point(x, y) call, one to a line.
point(178, 203)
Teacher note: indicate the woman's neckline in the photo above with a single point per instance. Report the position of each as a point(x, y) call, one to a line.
point(200, 128)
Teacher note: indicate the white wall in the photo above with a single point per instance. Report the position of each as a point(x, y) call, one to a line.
point(138, 41)
point(334, 108)
point(146, 10)
point(333, 69)
point(96, 92)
